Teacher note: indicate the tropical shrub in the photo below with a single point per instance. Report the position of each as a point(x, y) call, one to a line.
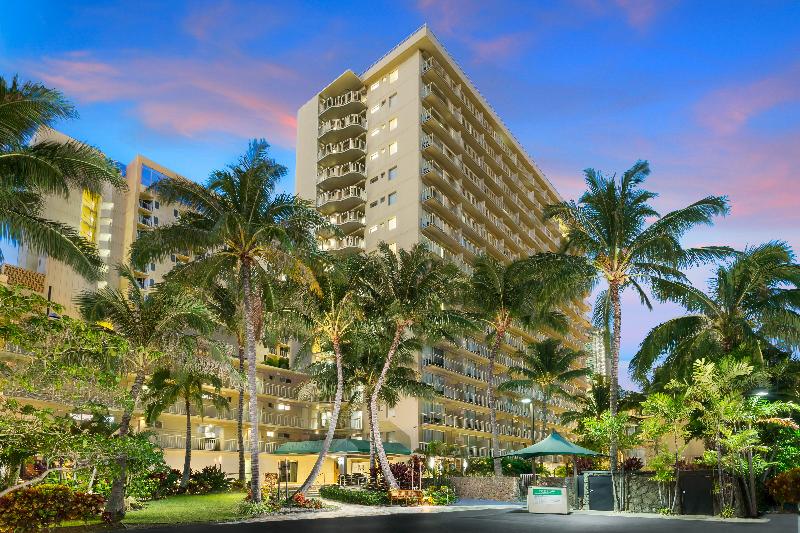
point(439, 495)
point(209, 479)
point(360, 497)
point(632, 464)
point(45, 506)
point(785, 487)
point(512, 466)
point(248, 508)
point(299, 500)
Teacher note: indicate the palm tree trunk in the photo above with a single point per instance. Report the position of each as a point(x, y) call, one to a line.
point(372, 468)
point(373, 407)
point(250, 347)
point(239, 419)
point(614, 291)
point(545, 401)
point(337, 406)
point(500, 331)
point(115, 505)
point(187, 457)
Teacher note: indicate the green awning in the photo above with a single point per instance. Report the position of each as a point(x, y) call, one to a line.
point(342, 446)
point(555, 444)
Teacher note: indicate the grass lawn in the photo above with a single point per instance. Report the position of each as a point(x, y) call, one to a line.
point(179, 509)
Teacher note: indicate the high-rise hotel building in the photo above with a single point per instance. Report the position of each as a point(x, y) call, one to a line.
point(408, 152)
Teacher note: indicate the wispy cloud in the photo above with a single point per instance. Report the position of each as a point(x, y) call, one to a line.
point(726, 110)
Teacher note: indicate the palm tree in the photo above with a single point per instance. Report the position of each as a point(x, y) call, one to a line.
point(29, 170)
point(407, 291)
point(501, 296)
point(752, 310)
point(330, 315)
point(595, 402)
point(238, 226)
point(607, 237)
point(157, 325)
point(184, 381)
point(546, 365)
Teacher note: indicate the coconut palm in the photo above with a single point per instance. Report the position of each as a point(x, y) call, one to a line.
point(504, 295)
point(595, 401)
point(238, 226)
point(31, 167)
point(607, 238)
point(407, 291)
point(752, 310)
point(548, 366)
point(187, 381)
point(329, 315)
point(158, 325)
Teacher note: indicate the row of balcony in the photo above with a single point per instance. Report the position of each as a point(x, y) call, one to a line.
point(264, 417)
point(341, 199)
point(473, 424)
point(350, 243)
point(431, 67)
point(345, 103)
point(178, 441)
point(349, 221)
point(337, 176)
point(347, 126)
point(446, 255)
point(335, 152)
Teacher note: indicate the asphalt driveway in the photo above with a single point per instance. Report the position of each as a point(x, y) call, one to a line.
point(498, 521)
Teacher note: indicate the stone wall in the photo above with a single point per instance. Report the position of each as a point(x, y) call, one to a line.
point(504, 489)
point(642, 493)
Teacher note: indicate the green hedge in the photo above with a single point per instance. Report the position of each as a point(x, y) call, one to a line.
point(357, 496)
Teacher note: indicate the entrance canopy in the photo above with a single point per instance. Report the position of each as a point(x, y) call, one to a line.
point(555, 444)
point(338, 446)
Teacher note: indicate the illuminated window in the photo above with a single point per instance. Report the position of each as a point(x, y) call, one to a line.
point(392, 124)
point(393, 247)
point(392, 223)
point(393, 148)
point(90, 212)
point(375, 132)
point(373, 156)
point(393, 76)
point(375, 108)
point(374, 86)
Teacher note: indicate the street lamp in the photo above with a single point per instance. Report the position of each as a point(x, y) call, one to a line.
point(533, 421)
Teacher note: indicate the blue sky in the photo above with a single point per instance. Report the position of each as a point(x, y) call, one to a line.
point(708, 91)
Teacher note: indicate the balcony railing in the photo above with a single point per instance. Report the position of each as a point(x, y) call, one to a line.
point(355, 168)
point(349, 97)
point(356, 145)
point(355, 121)
point(340, 195)
point(351, 242)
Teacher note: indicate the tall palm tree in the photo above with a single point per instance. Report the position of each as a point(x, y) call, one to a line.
point(408, 291)
point(238, 226)
point(607, 237)
point(186, 381)
point(546, 365)
point(29, 170)
point(752, 310)
point(157, 324)
point(505, 295)
point(330, 315)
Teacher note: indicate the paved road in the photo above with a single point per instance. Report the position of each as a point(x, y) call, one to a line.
point(497, 521)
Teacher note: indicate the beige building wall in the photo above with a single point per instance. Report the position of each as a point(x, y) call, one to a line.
point(437, 166)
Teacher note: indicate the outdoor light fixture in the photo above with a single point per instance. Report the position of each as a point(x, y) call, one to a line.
point(526, 400)
point(761, 393)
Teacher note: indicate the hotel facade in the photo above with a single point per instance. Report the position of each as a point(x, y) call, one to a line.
point(408, 152)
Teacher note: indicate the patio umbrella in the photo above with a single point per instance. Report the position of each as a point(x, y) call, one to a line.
point(555, 444)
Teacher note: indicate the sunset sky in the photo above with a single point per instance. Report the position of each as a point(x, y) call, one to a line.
point(708, 92)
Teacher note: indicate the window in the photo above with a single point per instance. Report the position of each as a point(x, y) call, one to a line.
point(155, 221)
point(392, 173)
point(374, 86)
point(373, 204)
point(157, 204)
point(393, 76)
point(152, 267)
point(175, 212)
point(375, 132)
point(392, 198)
point(393, 247)
point(373, 180)
point(373, 156)
point(392, 99)
point(392, 124)
point(375, 108)
point(393, 148)
point(392, 223)
point(373, 229)
point(173, 258)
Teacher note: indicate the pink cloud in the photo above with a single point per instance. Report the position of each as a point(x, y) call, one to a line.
point(446, 16)
point(188, 97)
point(496, 48)
point(640, 13)
point(727, 110)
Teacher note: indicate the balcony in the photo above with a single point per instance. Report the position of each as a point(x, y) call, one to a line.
point(432, 145)
point(347, 103)
point(434, 224)
point(339, 176)
point(447, 207)
point(145, 222)
point(341, 199)
point(348, 221)
point(146, 206)
point(349, 244)
point(338, 152)
point(338, 129)
point(433, 172)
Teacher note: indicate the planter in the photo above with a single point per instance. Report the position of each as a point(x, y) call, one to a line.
point(789, 508)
